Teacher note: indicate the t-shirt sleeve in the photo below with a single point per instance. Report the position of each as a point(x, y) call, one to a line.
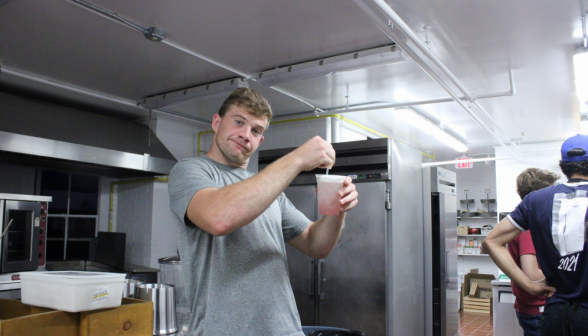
point(526, 244)
point(186, 179)
point(294, 222)
point(519, 217)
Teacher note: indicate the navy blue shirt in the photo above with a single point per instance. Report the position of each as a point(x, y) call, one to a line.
point(556, 217)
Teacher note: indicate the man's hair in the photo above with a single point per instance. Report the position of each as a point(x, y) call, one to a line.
point(532, 179)
point(575, 167)
point(249, 99)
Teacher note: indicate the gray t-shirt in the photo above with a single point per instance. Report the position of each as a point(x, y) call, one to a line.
point(237, 284)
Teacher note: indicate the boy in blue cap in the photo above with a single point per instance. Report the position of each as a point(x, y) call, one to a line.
point(556, 217)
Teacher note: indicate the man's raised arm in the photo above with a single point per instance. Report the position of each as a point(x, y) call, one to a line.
point(224, 210)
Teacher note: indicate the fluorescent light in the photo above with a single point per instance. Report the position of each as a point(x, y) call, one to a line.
point(581, 74)
point(327, 66)
point(205, 90)
point(424, 124)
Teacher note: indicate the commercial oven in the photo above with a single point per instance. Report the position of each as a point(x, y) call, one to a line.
point(373, 279)
point(23, 221)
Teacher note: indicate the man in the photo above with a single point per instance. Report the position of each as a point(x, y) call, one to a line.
point(556, 217)
point(529, 308)
point(232, 225)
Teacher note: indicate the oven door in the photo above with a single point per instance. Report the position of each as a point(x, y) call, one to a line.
point(19, 247)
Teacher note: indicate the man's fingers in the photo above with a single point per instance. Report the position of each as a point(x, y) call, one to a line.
point(349, 198)
point(348, 206)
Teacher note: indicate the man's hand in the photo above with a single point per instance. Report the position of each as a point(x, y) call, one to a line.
point(540, 288)
point(348, 195)
point(314, 153)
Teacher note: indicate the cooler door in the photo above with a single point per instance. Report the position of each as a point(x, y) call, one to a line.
point(353, 276)
point(300, 266)
point(452, 290)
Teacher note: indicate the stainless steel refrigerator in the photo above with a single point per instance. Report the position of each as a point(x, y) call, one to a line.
point(373, 279)
point(440, 223)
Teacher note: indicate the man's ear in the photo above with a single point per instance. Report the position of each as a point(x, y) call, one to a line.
point(260, 141)
point(216, 119)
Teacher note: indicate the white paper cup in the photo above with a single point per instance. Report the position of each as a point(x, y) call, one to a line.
point(328, 193)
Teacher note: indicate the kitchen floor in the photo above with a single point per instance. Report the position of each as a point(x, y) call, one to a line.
point(473, 324)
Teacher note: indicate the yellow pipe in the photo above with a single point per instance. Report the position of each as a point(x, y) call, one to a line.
point(199, 135)
point(154, 179)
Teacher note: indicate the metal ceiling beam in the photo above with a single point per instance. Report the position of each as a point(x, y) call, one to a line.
point(363, 107)
point(37, 79)
point(117, 19)
point(394, 36)
point(208, 90)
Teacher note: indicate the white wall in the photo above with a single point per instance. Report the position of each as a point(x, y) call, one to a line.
point(544, 156)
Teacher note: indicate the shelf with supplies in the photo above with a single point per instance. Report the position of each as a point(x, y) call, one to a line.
point(476, 217)
point(472, 235)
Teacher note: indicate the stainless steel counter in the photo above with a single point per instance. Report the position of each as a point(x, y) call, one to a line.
point(505, 320)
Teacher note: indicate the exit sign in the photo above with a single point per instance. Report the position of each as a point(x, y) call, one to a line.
point(466, 163)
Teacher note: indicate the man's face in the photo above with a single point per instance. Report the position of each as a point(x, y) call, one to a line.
point(238, 135)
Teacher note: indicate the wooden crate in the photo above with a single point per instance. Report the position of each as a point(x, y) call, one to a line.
point(18, 319)
point(132, 318)
point(475, 305)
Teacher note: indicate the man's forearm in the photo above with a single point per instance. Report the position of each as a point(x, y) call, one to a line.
point(324, 234)
point(504, 261)
point(224, 210)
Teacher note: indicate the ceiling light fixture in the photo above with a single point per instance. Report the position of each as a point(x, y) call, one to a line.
point(363, 59)
point(207, 90)
point(581, 74)
point(424, 124)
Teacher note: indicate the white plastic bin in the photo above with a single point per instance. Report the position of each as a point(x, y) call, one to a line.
point(72, 291)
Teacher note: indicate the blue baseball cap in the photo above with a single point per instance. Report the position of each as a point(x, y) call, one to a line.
point(577, 141)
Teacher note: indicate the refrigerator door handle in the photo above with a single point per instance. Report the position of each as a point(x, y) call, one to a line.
point(311, 280)
point(320, 280)
point(447, 281)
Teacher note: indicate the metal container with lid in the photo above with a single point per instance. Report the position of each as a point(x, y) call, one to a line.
point(170, 272)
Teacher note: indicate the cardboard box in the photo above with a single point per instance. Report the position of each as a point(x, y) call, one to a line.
point(484, 284)
point(484, 294)
point(462, 230)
